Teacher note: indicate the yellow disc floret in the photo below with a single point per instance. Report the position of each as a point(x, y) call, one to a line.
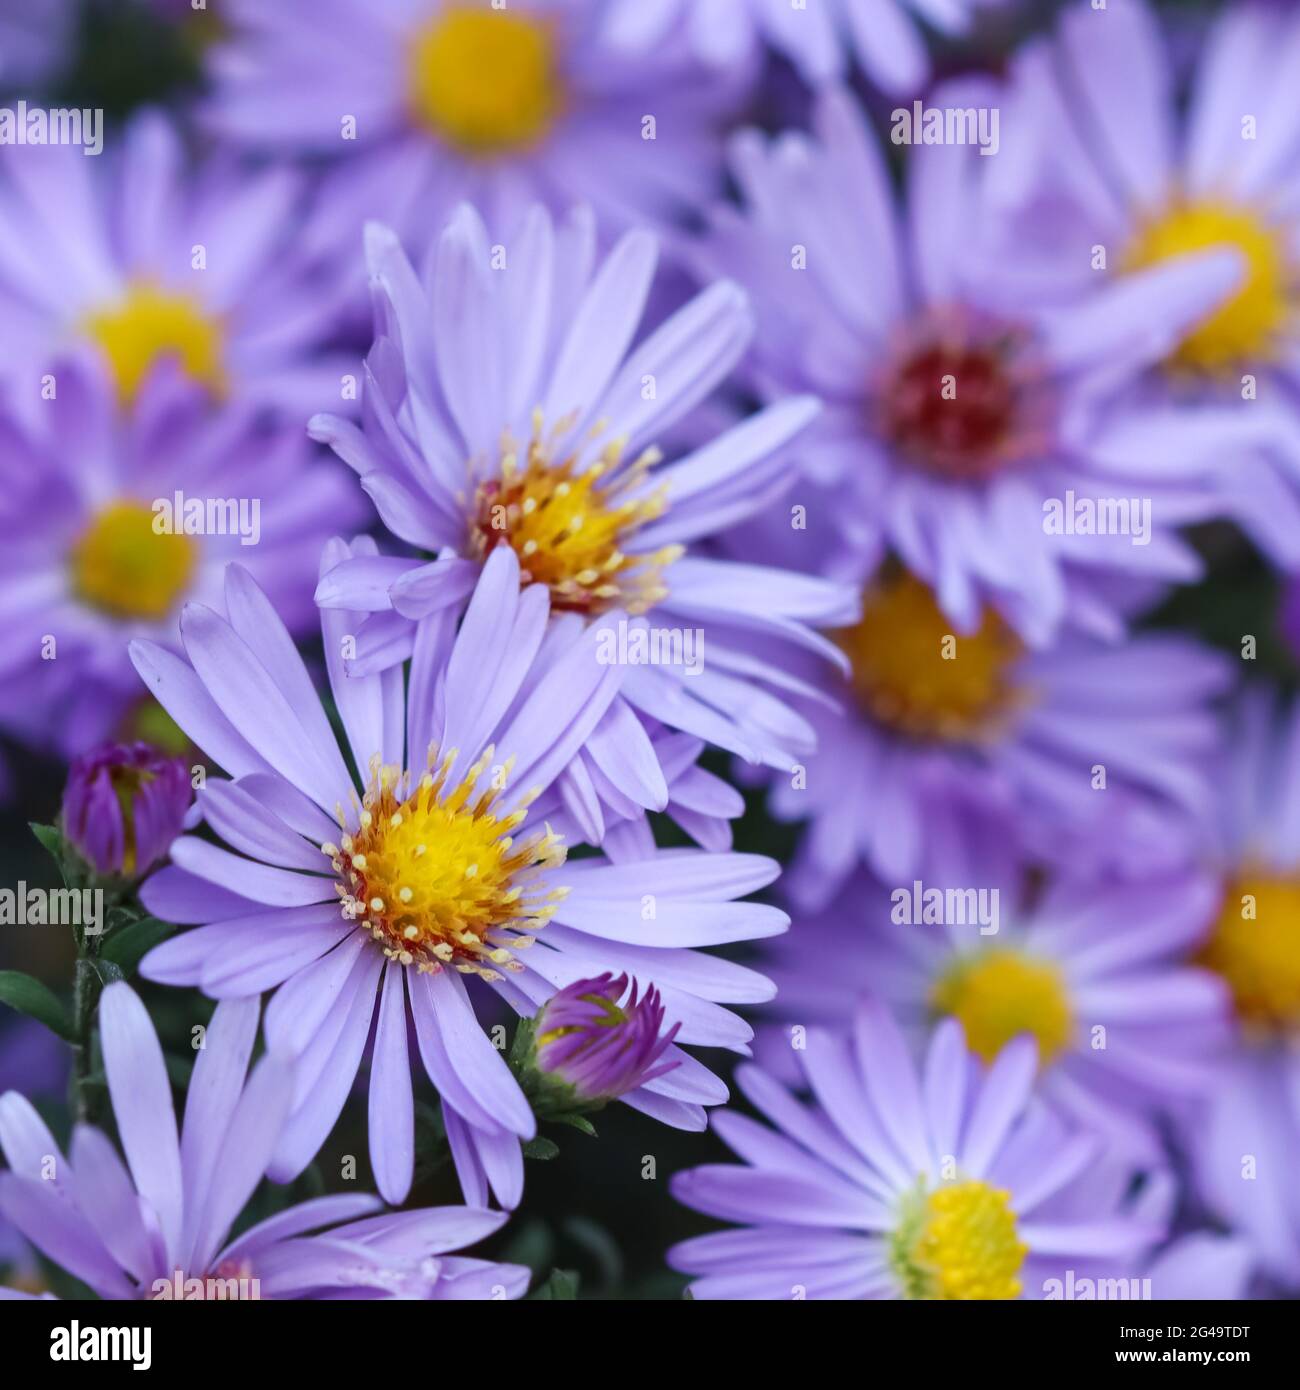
point(997, 995)
point(486, 80)
point(568, 524)
point(1247, 325)
point(121, 566)
point(912, 673)
point(149, 324)
point(959, 1241)
point(436, 873)
point(1255, 947)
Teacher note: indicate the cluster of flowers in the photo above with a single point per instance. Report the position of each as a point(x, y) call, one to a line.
point(836, 448)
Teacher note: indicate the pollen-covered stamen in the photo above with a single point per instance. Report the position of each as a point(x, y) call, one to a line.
point(1002, 994)
point(570, 524)
point(436, 872)
point(486, 80)
point(1255, 947)
point(1247, 326)
point(958, 1242)
point(962, 401)
point(148, 324)
point(914, 674)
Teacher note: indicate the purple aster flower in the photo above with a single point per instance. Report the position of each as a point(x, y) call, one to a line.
point(883, 36)
point(440, 871)
point(143, 257)
point(1243, 1143)
point(1086, 754)
point(1102, 172)
point(426, 102)
point(1093, 970)
point(1251, 941)
point(99, 550)
point(141, 1230)
point(963, 428)
point(595, 1039)
point(508, 409)
point(950, 1184)
point(123, 805)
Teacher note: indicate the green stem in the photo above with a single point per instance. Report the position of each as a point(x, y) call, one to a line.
point(85, 1002)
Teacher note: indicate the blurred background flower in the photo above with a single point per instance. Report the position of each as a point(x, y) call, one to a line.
point(873, 365)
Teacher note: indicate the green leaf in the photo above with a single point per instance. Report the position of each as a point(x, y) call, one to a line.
point(541, 1148)
point(31, 997)
point(563, 1283)
point(51, 838)
point(579, 1122)
point(127, 946)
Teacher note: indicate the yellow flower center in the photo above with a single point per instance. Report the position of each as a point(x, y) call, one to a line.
point(122, 567)
point(959, 1242)
point(1247, 325)
point(911, 673)
point(615, 1016)
point(436, 874)
point(126, 783)
point(998, 995)
point(568, 525)
point(149, 324)
point(1255, 947)
point(485, 80)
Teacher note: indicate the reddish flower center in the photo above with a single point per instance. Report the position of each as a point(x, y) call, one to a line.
point(953, 408)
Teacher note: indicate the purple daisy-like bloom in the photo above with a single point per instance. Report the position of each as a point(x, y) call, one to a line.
point(508, 408)
point(143, 259)
point(598, 1040)
point(357, 900)
point(953, 1183)
point(1085, 754)
point(1098, 159)
point(132, 1231)
point(427, 102)
point(123, 805)
point(1243, 1142)
point(100, 552)
point(883, 36)
point(963, 428)
point(1094, 971)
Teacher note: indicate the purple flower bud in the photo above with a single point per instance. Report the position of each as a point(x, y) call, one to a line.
point(123, 806)
point(601, 1047)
